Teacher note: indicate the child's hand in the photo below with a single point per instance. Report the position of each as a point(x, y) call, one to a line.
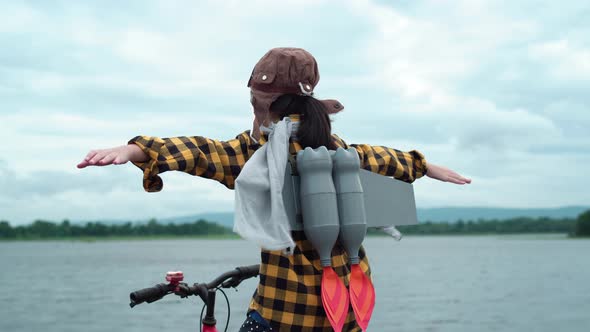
point(445, 175)
point(114, 156)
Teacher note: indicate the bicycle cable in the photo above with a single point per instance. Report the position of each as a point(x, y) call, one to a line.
point(228, 308)
point(228, 312)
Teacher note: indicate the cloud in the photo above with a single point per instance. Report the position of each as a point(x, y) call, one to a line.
point(495, 91)
point(423, 56)
point(571, 114)
point(103, 193)
point(21, 18)
point(468, 73)
point(481, 125)
point(50, 183)
point(567, 61)
point(53, 140)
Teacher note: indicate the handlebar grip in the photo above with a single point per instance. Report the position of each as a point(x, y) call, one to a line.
point(248, 271)
point(148, 295)
point(238, 275)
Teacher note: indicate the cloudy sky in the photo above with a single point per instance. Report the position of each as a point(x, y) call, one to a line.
point(497, 90)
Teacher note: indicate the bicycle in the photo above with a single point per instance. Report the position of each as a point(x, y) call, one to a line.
point(206, 291)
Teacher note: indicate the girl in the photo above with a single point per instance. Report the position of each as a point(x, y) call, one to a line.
point(282, 84)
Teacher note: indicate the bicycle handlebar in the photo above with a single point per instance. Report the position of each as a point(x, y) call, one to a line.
point(152, 294)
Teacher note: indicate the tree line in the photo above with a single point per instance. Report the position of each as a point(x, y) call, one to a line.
point(579, 226)
point(508, 226)
point(41, 229)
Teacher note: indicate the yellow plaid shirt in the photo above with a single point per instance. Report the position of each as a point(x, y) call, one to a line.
point(288, 295)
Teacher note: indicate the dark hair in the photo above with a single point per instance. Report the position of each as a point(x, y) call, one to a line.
point(315, 129)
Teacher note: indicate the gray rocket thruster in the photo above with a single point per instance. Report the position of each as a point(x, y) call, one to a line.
point(328, 195)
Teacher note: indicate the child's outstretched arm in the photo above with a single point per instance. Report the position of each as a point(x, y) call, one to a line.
point(405, 166)
point(196, 155)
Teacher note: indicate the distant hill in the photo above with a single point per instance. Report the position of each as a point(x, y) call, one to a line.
point(450, 214)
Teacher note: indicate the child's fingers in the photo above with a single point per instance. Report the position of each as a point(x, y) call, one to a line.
point(119, 160)
point(102, 158)
point(108, 159)
point(462, 178)
point(97, 157)
point(458, 179)
point(90, 154)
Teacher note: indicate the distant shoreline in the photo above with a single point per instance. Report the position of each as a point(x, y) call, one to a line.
point(122, 238)
point(92, 239)
point(41, 230)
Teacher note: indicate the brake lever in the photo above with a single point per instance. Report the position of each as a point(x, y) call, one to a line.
point(233, 282)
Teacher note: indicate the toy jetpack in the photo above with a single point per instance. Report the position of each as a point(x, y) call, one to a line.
point(327, 195)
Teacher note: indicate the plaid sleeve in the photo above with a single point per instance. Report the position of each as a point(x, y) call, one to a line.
point(405, 166)
point(195, 155)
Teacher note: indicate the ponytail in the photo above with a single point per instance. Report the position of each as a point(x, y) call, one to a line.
point(315, 129)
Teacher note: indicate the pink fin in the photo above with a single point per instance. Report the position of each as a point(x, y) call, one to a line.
point(334, 298)
point(362, 296)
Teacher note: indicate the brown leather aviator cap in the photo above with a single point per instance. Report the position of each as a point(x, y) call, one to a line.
point(285, 70)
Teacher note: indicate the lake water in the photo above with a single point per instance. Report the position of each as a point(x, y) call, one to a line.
point(488, 283)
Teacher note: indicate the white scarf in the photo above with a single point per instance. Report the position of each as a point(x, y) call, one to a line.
point(260, 214)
